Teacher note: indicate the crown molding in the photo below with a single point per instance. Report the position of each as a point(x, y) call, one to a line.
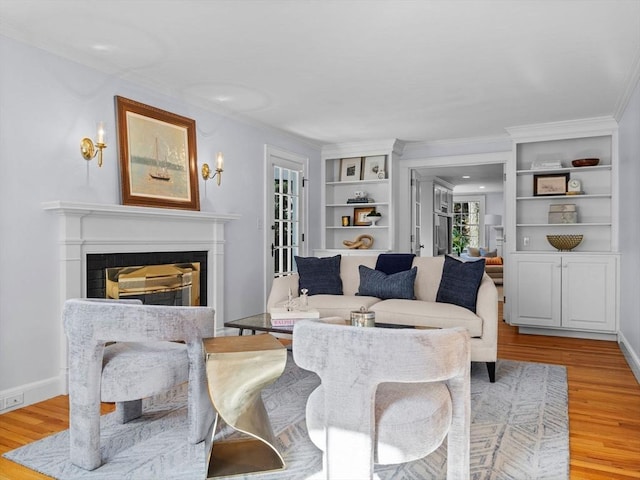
point(564, 129)
point(632, 83)
point(363, 149)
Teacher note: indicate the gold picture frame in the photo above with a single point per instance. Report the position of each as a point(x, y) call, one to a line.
point(157, 157)
point(360, 215)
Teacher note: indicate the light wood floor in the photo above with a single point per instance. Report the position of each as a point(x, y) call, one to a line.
point(604, 407)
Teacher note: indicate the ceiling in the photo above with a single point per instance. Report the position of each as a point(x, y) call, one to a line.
point(467, 179)
point(351, 70)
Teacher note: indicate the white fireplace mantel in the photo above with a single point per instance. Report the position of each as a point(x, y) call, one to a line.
point(85, 228)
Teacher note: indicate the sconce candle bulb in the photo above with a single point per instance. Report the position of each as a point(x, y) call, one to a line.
point(206, 170)
point(101, 133)
point(89, 150)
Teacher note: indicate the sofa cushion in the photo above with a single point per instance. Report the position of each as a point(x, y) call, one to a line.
point(374, 283)
point(460, 282)
point(488, 253)
point(319, 275)
point(493, 261)
point(473, 251)
point(340, 305)
point(427, 314)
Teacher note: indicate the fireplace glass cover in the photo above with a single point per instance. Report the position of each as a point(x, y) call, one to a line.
point(170, 284)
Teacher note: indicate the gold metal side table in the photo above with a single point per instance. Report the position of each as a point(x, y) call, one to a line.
point(238, 368)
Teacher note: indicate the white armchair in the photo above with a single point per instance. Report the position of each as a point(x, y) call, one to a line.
point(387, 395)
point(144, 361)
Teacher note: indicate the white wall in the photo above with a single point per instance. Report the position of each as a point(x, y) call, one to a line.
point(629, 134)
point(47, 104)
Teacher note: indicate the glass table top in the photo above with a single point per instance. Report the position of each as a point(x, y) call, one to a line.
point(262, 323)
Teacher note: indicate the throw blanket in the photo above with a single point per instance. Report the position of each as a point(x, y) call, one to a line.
point(391, 263)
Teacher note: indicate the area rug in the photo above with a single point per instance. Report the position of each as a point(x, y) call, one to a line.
point(519, 430)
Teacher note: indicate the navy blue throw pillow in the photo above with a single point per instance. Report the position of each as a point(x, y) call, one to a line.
point(394, 262)
point(374, 283)
point(460, 282)
point(320, 275)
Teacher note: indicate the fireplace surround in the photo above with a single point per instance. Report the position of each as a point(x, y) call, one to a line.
point(94, 229)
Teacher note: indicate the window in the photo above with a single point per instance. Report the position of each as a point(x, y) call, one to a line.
point(467, 226)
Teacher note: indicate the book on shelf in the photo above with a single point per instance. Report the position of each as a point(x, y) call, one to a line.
point(360, 200)
point(546, 164)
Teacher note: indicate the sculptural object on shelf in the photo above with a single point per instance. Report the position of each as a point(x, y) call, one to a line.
point(363, 242)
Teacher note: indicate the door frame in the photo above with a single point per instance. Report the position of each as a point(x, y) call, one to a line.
point(270, 153)
point(404, 184)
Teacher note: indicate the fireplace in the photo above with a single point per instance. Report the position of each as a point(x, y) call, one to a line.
point(90, 232)
point(156, 278)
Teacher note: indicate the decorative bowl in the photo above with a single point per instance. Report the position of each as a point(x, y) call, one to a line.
point(564, 243)
point(585, 162)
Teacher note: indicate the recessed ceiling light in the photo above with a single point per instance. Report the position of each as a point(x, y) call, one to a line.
point(102, 47)
point(481, 187)
point(466, 176)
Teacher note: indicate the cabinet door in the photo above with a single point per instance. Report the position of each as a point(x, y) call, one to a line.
point(537, 292)
point(589, 292)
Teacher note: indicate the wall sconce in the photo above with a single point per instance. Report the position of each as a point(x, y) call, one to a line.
point(206, 170)
point(89, 150)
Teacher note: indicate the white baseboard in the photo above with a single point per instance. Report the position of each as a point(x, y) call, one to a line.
point(34, 392)
point(630, 356)
point(610, 337)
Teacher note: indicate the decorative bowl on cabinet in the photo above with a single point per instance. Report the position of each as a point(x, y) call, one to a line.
point(564, 243)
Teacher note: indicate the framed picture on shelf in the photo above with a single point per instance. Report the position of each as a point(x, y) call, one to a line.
point(550, 184)
point(157, 157)
point(374, 168)
point(350, 169)
point(360, 215)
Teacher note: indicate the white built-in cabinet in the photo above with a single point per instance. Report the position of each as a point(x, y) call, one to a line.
point(337, 190)
point(571, 293)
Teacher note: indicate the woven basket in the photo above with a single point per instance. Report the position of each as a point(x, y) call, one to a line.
point(564, 243)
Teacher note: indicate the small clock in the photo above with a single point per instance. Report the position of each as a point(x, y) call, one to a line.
point(574, 186)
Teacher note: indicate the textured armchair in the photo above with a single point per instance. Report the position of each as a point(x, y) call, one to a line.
point(386, 396)
point(144, 361)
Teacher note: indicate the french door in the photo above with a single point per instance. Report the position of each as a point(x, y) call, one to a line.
point(286, 211)
point(417, 246)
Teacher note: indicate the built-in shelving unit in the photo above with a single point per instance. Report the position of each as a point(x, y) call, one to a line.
point(337, 191)
point(563, 293)
point(594, 205)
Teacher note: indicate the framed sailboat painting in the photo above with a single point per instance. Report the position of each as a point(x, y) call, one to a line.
point(157, 157)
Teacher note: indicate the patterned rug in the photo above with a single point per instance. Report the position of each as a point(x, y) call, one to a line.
point(519, 430)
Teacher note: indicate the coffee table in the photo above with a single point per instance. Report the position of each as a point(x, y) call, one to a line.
point(257, 323)
point(262, 323)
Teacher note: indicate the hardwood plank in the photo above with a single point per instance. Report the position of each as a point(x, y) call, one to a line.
point(604, 400)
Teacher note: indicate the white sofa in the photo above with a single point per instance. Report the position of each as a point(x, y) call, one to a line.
point(424, 311)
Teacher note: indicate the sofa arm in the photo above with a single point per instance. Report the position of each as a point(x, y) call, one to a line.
point(487, 309)
point(280, 289)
